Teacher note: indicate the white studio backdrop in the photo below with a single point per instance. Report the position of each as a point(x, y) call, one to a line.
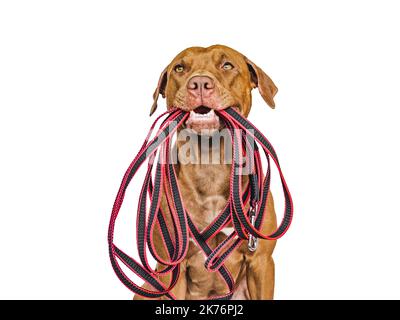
point(76, 80)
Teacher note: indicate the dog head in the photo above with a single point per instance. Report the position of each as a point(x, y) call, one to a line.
point(200, 80)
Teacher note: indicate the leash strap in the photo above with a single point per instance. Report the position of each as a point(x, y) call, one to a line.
point(236, 179)
point(244, 209)
point(148, 148)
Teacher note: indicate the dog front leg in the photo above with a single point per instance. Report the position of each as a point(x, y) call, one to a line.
point(260, 273)
point(261, 278)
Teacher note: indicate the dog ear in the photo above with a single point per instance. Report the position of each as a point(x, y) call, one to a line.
point(162, 83)
point(260, 80)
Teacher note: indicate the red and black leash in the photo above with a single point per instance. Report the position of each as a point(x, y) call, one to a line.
point(245, 138)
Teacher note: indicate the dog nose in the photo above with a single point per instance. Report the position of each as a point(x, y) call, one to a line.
point(201, 86)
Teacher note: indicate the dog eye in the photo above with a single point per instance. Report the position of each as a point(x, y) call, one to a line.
point(179, 68)
point(227, 66)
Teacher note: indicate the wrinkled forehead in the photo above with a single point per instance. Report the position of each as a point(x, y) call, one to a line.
point(199, 57)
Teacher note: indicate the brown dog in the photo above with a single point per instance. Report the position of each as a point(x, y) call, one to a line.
point(216, 77)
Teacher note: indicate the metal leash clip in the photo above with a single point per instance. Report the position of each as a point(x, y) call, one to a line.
point(253, 241)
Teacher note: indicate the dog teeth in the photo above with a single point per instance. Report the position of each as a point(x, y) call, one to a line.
point(199, 116)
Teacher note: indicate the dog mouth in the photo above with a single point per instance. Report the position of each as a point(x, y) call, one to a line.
point(202, 110)
point(203, 118)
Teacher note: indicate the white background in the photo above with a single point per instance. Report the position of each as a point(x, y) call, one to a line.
point(76, 79)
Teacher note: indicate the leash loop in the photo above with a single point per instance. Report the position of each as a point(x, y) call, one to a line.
point(244, 209)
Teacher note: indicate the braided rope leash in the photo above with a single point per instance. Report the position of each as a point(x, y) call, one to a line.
point(246, 140)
